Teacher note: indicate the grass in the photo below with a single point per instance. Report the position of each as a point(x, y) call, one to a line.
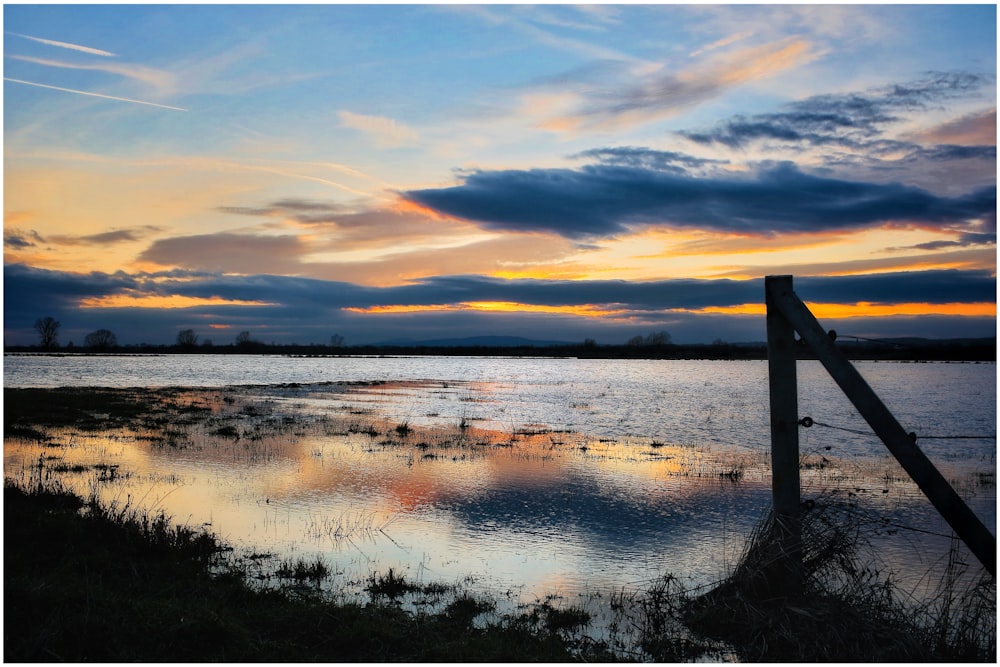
point(846, 610)
point(301, 570)
point(90, 584)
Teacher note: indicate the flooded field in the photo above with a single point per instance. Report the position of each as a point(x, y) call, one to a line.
point(526, 486)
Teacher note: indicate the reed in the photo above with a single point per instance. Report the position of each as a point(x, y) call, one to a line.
point(848, 609)
point(113, 584)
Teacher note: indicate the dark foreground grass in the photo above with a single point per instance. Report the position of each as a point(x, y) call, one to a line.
point(846, 610)
point(103, 586)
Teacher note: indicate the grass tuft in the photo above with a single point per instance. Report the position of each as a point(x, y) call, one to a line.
point(300, 570)
point(389, 585)
point(846, 610)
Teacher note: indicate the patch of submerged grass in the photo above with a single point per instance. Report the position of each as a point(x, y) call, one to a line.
point(93, 407)
point(301, 570)
point(227, 431)
point(24, 432)
point(389, 585)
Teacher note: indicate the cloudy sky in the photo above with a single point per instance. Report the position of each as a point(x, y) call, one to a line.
point(555, 172)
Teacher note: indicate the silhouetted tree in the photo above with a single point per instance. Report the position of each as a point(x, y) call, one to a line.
point(658, 338)
point(102, 339)
point(187, 338)
point(243, 339)
point(589, 342)
point(336, 340)
point(48, 332)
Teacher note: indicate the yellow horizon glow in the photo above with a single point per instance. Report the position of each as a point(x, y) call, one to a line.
point(585, 310)
point(820, 310)
point(172, 301)
point(865, 309)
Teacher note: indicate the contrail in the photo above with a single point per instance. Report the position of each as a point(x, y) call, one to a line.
point(65, 45)
point(84, 92)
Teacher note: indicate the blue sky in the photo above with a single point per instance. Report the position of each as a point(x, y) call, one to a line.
point(554, 171)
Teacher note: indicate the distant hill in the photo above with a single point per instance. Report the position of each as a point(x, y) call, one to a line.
point(913, 341)
point(475, 341)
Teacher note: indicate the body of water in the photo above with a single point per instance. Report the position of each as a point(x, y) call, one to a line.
point(526, 477)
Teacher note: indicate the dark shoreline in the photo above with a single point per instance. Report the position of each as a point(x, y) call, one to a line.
point(977, 349)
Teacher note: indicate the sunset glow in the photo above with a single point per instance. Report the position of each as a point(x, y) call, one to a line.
point(551, 173)
point(167, 301)
point(849, 310)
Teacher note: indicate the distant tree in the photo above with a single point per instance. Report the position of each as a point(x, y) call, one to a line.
point(336, 340)
point(48, 332)
point(719, 342)
point(187, 338)
point(243, 339)
point(102, 339)
point(589, 342)
point(207, 342)
point(658, 338)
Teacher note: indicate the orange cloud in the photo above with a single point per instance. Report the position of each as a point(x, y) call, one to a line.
point(585, 310)
point(867, 309)
point(971, 130)
point(762, 61)
point(396, 309)
point(171, 301)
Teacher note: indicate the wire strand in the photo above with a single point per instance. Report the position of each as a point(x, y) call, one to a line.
point(808, 421)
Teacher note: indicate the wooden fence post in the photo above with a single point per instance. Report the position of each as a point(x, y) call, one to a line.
point(781, 298)
point(783, 390)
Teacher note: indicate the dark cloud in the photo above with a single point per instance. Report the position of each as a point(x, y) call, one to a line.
point(29, 290)
point(947, 286)
point(970, 239)
point(853, 120)
point(952, 152)
point(304, 309)
point(107, 238)
point(605, 200)
point(645, 158)
point(19, 238)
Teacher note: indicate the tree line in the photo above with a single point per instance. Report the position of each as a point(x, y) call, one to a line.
point(656, 345)
point(104, 340)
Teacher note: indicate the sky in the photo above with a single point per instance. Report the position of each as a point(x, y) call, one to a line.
point(556, 172)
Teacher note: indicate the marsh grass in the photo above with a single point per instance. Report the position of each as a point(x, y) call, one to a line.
point(94, 583)
point(302, 570)
point(848, 609)
point(389, 585)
